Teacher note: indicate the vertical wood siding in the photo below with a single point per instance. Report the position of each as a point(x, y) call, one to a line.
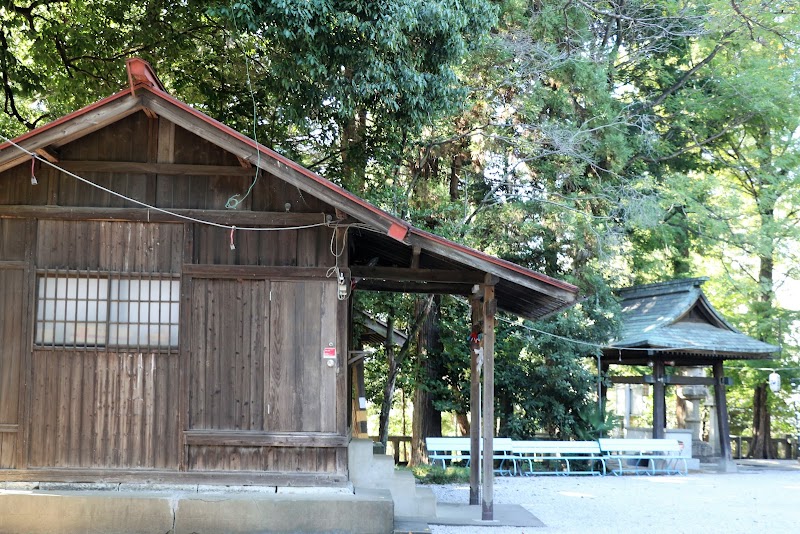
point(301, 385)
point(12, 345)
point(278, 459)
point(110, 246)
point(229, 354)
point(287, 248)
point(99, 409)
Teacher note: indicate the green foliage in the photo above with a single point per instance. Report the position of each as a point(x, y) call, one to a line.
point(434, 474)
point(606, 143)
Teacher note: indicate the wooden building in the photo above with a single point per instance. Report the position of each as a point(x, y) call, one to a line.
point(672, 325)
point(150, 334)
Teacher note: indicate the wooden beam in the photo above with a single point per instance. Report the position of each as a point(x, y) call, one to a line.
point(659, 400)
point(673, 380)
point(417, 275)
point(475, 363)
point(259, 272)
point(226, 217)
point(243, 438)
point(47, 154)
point(490, 267)
point(723, 425)
point(489, 310)
point(72, 129)
point(436, 288)
point(416, 252)
point(173, 169)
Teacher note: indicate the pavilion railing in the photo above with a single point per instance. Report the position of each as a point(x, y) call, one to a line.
point(785, 448)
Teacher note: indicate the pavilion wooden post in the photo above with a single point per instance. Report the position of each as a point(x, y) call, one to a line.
point(475, 400)
point(659, 400)
point(723, 424)
point(603, 370)
point(489, 310)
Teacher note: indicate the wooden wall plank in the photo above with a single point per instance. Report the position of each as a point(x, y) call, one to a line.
point(110, 246)
point(227, 383)
point(13, 239)
point(102, 407)
point(274, 459)
point(12, 329)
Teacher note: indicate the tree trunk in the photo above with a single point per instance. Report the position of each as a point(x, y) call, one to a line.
point(391, 379)
point(761, 446)
point(354, 158)
point(427, 419)
point(463, 424)
point(395, 362)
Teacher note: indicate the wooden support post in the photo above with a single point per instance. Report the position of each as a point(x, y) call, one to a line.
point(475, 401)
point(722, 412)
point(659, 400)
point(603, 389)
point(489, 309)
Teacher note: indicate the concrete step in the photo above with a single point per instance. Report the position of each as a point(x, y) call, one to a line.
point(369, 470)
point(426, 502)
point(411, 527)
point(124, 512)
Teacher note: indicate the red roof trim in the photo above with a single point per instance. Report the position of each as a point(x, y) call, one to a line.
point(390, 219)
point(140, 72)
point(497, 261)
point(397, 227)
point(66, 118)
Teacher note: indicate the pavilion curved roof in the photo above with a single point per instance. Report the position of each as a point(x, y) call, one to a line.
point(676, 321)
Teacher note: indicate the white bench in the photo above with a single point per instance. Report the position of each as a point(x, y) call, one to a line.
point(454, 449)
point(564, 454)
point(643, 456)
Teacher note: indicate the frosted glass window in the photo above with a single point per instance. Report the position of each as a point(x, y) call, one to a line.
point(144, 312)
point(84, 309)
point(72, 311)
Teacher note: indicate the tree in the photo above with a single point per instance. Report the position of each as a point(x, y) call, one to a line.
point(59, 55)
point(362, 75)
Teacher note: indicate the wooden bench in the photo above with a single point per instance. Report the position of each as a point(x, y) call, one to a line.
point(442, 450)
point(643, 456)
point(564, 454)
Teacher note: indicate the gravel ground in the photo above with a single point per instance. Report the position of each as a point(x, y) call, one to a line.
point(756, 499)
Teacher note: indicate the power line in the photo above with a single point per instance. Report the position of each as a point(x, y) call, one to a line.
point(589, 343)
point(35, 156)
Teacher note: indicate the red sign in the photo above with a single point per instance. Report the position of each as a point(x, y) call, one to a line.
point(329, 352)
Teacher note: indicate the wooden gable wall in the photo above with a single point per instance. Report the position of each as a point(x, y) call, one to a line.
point(245, 390)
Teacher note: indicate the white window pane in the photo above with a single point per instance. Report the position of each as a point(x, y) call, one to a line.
point(93, 310)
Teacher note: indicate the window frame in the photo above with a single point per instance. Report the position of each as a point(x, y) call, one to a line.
point(94, 313)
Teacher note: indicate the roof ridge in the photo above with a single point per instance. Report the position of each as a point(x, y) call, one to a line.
point(669, 286)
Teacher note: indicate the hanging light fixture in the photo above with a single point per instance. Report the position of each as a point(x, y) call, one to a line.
point(774, 382)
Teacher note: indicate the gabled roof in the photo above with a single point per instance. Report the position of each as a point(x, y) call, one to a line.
point(518, 290)
point(676, 315)
point(375, 330)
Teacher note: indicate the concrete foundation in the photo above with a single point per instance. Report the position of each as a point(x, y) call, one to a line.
point(125, 512)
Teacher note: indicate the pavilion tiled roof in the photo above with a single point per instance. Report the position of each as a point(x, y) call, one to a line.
point(677, 315)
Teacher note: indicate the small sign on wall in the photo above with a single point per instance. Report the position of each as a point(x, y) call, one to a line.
point(329, 353)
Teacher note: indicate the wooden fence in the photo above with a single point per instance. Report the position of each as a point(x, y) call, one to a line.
point(785, 448)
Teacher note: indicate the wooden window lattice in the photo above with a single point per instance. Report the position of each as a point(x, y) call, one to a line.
point(93, 309)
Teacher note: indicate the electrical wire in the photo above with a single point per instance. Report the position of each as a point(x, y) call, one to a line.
point(234, 201)
point(611, 347)
point(35, 156)
point(589, 343)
